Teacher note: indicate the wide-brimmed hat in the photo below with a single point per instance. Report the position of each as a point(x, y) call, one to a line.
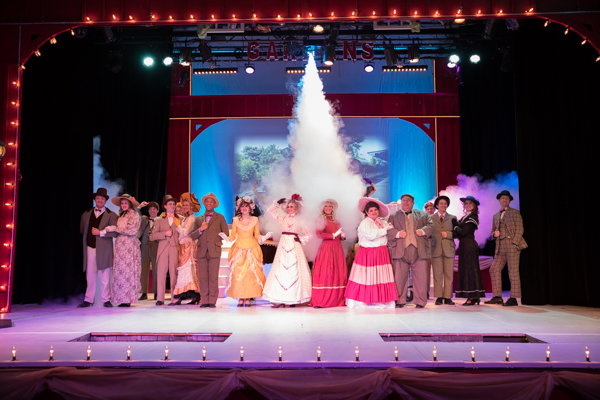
point(167, 198)
point(406, 194)
point(504, 193)
point(383, 209)
point(101, 192)
point(332, 201)
point(191, 198)
point(437, 200)
point(473, 199)
point(212, 196)
point(117, 200)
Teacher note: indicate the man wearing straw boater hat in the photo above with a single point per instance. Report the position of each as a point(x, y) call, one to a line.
point(97, 248)
point(206, 229)
point(410, 249)
point(165, 232)
point(507, 229)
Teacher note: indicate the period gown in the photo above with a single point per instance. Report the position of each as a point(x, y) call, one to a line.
point(289, 280)
point(127, 266)
point(371, 282)
point(246, 278)
point(330, 274)
point(187, 285)
point(469, 283)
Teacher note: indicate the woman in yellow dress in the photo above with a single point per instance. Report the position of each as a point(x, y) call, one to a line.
point(246, 278)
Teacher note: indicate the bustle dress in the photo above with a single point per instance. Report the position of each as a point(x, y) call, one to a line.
point(468, 283)
point(246, 278)
point(330, 274)
point(188, 284)
point(127, 265)
point(289, 280)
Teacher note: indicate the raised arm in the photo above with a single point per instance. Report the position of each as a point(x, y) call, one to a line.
point(273, 211)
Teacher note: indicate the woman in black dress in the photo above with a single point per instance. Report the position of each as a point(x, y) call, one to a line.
point(469, 282)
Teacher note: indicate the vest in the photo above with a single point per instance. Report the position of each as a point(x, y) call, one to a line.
point(94, 223)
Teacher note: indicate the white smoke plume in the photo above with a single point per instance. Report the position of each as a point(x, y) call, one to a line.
point(486, 193)
point(113, 188)
point(320, 166)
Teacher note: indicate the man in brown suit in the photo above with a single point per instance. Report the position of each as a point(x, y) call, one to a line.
point(206, 229)
point(165, 232)
point(443, 253)
point(507, 229)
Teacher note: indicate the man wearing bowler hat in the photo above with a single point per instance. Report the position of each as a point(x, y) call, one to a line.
point(443, 252)
point(167, 258)
point(507, 229)
point(97, 248)
point(206, 229)
point(410, 249)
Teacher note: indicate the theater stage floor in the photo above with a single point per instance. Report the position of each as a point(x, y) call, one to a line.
point(261, 330)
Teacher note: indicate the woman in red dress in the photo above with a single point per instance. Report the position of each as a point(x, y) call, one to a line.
point(329, 270)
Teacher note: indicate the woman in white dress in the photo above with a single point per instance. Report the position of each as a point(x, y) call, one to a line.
point(289, 281)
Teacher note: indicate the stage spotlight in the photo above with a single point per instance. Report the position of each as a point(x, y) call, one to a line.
point(369, 67)
point(184, 78)
point(329, 55)
point(205, 52)
point(148, 61)
point(512, 24)
point(168, 60)
point(79, 32)
point(391, 58)
point(413, 54)
point(489, 29)
point(108, 34)
point(202, 30)
point(318, 29)
point(249, 69)
point(454, 58)
point(185, 57)
point(451, 65)
point(475, 58)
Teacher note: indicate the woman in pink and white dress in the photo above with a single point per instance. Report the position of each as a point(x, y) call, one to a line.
point(289, 281)
point(371, 282)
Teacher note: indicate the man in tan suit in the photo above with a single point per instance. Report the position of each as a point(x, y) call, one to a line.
point(443, 253)
point(206, 229)
point(149, 249)
point(165, 232)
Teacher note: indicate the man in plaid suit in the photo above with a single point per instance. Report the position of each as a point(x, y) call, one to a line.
point(507, 229)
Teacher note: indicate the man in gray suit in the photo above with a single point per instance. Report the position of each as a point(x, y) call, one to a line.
point(149, 249)
point(410, 249)
point(443, 252)
point(206, 229)
point(97, 248)
point(165, 233)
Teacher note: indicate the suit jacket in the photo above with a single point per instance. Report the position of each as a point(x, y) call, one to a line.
point(422, 221)
point(444, 246)
point(145, 231)
point(209, 240)
point(104, 245)
point(513, 223)
point(161, 225)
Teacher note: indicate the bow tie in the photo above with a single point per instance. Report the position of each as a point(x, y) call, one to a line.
point(97, 209)
point(407, 212)
point(503, 210)
point(209, 215)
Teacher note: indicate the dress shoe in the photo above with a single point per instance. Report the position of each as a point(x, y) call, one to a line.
point(160, 303)
point(204, 305)
point(84, 304)
point(177, 303)
point(449, 302)
point(144, 296)
point(154, 296)
point(494, 300)
point(107, 304)
point(124, 305)
point(212, 306)
point(511, 302)
point(439, 301)
point(419, 306)
point(399, 305)
point(471, 302)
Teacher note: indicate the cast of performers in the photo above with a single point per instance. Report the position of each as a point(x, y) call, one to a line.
point(149, 249)
point(371, 281)
point(289, 280)
point(188, 286)
point(246, 278)
point(127, 270)
point(97, 248)
point(330, 274)
point(469, 283)
point(207, 228)
point(165, 232)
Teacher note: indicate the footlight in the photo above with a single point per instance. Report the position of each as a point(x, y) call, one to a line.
point(14, 353)
point(396, 353)
point(356, 353)
point(434, 353)
point(89, 353)
point(128, 353)
point(473, 353)
point(166, 353)
point(280, 354)
point(587, 354)
point(548, 354)
point(241, 353)
point(507, 354)
point(51, 353)
point(203, 353)
point(319, 353)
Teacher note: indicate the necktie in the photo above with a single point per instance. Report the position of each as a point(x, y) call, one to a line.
point(407, 212)
point(441, 218)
